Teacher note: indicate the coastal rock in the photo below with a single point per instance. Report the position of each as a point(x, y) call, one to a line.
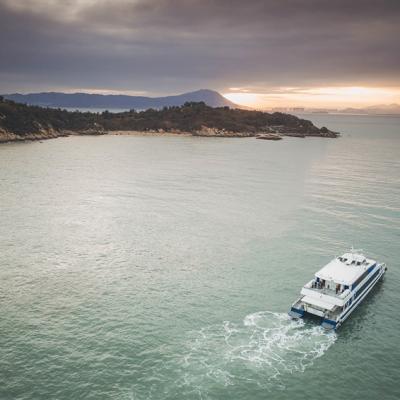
point(268, 136)
point(215, 132)
point(41, 134)
point(91, 132)
point(294, 134)
point(22, 122)
point(7, 136)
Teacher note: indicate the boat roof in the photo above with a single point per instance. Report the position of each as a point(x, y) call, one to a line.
point(345, 269)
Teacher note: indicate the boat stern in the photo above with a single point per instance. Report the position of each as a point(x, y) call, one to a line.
point(328, 324)
point(296, 313)
point(297, 310)
point(303, 307)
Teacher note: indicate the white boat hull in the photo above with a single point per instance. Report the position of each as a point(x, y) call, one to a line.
point(332, 320)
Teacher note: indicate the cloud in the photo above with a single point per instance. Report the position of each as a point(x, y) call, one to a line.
point(166, 46)
point(331, 97)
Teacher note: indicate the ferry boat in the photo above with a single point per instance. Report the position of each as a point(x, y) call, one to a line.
point(338, 288)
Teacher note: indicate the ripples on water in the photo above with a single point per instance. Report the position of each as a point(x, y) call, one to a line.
point(122, 257)
point(261, 349)
point(258, 352)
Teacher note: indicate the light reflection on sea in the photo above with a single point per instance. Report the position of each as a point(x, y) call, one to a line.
point(162, 268)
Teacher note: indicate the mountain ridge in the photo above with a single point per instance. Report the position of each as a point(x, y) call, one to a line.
point(115, 101)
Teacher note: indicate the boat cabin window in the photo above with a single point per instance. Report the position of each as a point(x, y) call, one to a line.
point(361, 278)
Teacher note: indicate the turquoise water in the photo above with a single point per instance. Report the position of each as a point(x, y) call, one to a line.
point(163, 268)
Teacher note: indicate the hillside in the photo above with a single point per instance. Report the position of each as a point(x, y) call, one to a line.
point(86, 100)
point(22, 122)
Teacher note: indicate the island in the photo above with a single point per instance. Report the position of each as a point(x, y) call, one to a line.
point(20, 122)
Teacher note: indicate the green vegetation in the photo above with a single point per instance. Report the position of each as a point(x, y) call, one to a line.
point(23, 120)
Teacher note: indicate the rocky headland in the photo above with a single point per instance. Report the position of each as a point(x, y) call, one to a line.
point(20, 122)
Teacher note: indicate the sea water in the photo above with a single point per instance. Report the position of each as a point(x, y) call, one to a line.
point(163, 268)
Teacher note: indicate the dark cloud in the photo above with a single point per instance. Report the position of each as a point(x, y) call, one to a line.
point(165, 46)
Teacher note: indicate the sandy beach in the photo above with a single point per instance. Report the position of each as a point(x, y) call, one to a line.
point(147, 133)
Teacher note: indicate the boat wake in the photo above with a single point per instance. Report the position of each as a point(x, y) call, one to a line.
point(261, 350)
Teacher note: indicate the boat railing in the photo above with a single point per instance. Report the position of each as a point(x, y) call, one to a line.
point(326, 290)
point(344, 294)
point(309, 285)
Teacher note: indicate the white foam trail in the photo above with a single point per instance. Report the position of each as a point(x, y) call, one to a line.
point(261, 349)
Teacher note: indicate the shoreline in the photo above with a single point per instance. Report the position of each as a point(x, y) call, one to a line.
point(21, 122)
point(147, 133)
point(8, 137)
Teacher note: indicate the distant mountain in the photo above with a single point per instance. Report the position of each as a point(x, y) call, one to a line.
point(376, 109)
point(379, 109)
point(86, 100)
point(384, 109)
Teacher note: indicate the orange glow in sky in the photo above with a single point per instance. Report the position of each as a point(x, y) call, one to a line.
point(323, 97)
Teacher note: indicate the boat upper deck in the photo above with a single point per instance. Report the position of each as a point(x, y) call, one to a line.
point(327, 291)
point(345, 270)
point(325, 294)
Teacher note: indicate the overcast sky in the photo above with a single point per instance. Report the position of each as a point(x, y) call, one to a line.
point(156, 47)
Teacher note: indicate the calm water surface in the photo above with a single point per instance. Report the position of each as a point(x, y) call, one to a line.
point(163, 268)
